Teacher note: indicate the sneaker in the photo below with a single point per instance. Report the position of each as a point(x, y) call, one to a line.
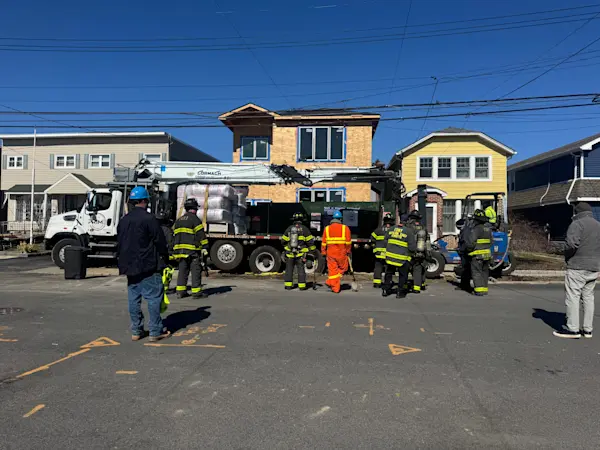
point(164, 335)
point(586, 334)
point(567, 334)
point(137, 337)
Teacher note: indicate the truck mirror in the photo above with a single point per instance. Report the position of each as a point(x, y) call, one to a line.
point(91, 207)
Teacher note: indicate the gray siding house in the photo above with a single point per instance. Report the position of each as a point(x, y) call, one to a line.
point(67, 165)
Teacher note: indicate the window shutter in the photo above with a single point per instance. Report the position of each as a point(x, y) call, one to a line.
point(4, 162)
point(77, 161)
point(112, 160)
point(51, 160)
point(25, 158)
point(86, 161)
point(163, 157)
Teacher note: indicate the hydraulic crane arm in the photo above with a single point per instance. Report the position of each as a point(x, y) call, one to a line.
point(255, 174)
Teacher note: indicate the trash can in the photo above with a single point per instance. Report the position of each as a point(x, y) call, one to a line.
point(75, 263)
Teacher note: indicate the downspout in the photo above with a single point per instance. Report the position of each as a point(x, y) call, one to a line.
point(548, 187)
point(573, 183)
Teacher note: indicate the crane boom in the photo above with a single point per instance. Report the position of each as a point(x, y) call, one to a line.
point(255, 174)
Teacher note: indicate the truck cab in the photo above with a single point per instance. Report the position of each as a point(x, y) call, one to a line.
point(94, 226)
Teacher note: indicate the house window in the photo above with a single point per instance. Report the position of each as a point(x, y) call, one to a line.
point(321, 144)
point(321, 195)
point(444, 168)
point(254, 147)
point(482, 167)
point(463, 167)
point(100, 161)
point(152, 157)
point(426, 168)
point(64, 161)
point(449, 216)
point(14, 162)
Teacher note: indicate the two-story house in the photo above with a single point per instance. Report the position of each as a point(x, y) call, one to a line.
point(453, 163)
point(303, 139)
point(543, 188)
point(67, 165)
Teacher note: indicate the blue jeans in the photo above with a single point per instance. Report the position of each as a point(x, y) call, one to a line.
point(151, 288)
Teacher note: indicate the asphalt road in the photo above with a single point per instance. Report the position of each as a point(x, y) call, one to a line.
point(254, 367)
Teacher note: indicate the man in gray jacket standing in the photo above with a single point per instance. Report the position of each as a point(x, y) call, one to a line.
point(582, 255)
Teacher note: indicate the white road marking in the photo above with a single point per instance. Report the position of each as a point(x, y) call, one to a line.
point(320, 412)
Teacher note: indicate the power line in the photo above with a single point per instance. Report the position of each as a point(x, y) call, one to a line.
point(399, 57)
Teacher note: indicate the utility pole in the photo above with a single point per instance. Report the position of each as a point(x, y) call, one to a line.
point(32, 188)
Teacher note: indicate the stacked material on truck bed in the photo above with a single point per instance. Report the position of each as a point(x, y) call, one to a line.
point(224, 205)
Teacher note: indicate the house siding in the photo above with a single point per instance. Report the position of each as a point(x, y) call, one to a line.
point(456, 189)
point(554, 171)
point(591, 164)
point(68, 186)
point(181, 151)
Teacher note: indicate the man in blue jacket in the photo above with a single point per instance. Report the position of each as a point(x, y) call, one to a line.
point(142, 252)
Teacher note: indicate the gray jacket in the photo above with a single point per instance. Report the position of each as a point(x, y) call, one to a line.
point(583, 243)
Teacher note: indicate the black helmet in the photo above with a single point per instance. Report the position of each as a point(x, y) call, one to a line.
point(414, 214)
point(388, 218)
point(298, 217)
point(190, 203)
point(479, 215)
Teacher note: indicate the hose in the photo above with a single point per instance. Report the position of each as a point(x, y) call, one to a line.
point(505, 253)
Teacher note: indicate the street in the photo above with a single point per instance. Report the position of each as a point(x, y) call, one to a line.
point(255, 367)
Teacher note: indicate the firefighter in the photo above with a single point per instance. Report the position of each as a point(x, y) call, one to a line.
point(491, 215)
point(189, 248)
point(336, 247)
point(298, 241)
point(477, 250)
point(420, 255)
point(400, 245)
point(377, 238)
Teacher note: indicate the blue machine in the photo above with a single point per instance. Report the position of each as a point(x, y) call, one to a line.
point(502, 261)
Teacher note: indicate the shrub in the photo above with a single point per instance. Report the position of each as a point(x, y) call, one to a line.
point(528, 236)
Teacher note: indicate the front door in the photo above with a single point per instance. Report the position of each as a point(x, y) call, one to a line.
point(432, 225)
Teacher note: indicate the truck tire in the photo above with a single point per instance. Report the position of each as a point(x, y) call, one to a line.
point(265, 259)
point(58, 251)
point(506, 269)
point(315, 262)
point(435, 265)
point(226, 255)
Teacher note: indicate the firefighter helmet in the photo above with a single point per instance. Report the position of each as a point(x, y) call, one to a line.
point(388, 218)
point(414, 214)
point(190, 204)
point(298, 217)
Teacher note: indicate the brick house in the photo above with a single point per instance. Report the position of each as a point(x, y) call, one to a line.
point(303, 139)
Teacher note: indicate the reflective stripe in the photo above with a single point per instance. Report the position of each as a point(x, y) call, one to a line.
point(185, 247)
point(179, 256)
point(397, 256)
point(377, 237)
point(288, 283)
point(398, 242)
point(301, 285)
point(198, 228)
point(196, 290)
point(183, 230)
point(378, 249)
point(204, 242)
point(336, 240)
point(380, 256)
point(181, 288)
point(376, 281)
point(301, 238)
point(285, 238)
point(481, 289)
point(484, 241)
point(416, 288)
point(394, 263)
point(480, 252)
point(312, 247)
point(333, 277)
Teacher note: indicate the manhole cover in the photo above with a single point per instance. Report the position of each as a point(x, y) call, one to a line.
point(9, 311)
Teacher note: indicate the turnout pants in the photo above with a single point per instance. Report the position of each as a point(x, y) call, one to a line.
point(187, 265)
point(336, 267)
point(418, 273)
point(390, 271)
point(465, 278)
point(288, 276)
point(579, 290)
point(480, 271)
point(378, 272)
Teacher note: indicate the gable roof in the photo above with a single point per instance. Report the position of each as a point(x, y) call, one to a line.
point(456, 132)
point(251, 108)
point(81, 186)
point(581, 144)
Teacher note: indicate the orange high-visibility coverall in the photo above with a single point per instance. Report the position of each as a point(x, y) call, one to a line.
point(336, 246)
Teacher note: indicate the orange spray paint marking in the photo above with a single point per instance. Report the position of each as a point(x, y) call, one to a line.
point(34, 410)
point(47, 366)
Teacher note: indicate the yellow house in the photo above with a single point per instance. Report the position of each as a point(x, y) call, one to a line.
point(304, 139)
point(453, 163)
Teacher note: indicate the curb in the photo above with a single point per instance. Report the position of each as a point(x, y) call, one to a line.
point(33, 255)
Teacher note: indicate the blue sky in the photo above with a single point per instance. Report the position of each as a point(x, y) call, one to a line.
point(356, 74)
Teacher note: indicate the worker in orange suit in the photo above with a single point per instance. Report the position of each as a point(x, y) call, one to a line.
point(336, 246)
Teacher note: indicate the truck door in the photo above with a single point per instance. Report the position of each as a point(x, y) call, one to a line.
point(102, 212)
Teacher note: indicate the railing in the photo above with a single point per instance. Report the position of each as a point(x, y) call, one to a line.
point(20, 228)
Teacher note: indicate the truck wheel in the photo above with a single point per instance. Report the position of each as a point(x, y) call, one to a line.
point(265, 259)
point(226, 255)
point(315, 262)
point(58, 251)
point(435, 265)
point(506, 269)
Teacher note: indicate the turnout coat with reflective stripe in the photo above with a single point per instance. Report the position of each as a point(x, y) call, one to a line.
point(479, 241)
point(188, 236)
point(378, 241)
point(400, 244)
point(306, 241)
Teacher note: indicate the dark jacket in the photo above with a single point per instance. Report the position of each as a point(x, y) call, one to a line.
point(305, 244)
point(583, 243)
point(400, 245)
point(378, 241)
point(478, 240)
point(189, 236)
point(142, 248)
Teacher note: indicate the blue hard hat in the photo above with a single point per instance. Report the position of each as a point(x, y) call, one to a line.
point(139, 193)
point(337, 215)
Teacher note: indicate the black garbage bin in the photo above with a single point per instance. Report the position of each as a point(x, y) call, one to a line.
point(75, 263)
